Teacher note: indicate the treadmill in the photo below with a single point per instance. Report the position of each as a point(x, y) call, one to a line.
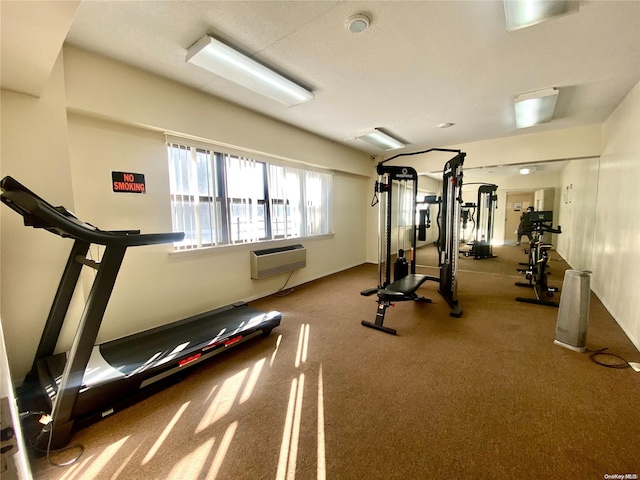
point(91, 381)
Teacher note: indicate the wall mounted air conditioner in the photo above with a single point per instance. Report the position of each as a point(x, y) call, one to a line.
point(272, 261)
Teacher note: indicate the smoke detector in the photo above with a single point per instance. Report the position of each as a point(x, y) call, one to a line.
point(358, 23)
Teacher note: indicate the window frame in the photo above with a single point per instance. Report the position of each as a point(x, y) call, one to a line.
point(220, 204)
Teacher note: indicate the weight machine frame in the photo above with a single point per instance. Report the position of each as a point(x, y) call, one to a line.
point(403, 289)
point(482, 247)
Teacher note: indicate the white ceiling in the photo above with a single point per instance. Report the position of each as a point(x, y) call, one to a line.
point(31, 35)
point(420, 63)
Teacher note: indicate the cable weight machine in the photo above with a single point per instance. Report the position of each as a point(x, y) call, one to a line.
point(482, 247)
point(406, 281)
point(449, 238)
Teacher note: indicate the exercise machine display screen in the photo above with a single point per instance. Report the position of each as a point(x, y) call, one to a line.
point(540, 217)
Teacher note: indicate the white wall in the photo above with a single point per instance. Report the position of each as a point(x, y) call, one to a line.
point(578, 200)
point(616, 253)
point(117, 116)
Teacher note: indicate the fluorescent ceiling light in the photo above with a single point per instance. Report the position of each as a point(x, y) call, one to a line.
point(382, 140)
point(216, 57)
point(535, 107)
point(524, 13)
point(527, 170)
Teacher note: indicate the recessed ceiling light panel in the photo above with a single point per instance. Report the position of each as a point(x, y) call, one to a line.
point(381, 140)
point(213, 55)
point(536, 107)
point(525, 13)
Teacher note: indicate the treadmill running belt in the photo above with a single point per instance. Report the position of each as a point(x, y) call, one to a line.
point(120, 370)
point(161, 344)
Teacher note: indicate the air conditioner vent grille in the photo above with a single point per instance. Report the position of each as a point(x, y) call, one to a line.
point(272, 261)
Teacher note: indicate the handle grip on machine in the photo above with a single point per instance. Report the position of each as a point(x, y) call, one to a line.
point(548, 228)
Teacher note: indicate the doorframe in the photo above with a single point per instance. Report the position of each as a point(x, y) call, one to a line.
point(506, 237)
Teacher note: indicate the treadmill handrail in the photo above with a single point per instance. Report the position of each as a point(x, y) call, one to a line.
point(38, 213)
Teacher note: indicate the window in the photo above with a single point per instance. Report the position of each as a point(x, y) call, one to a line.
point(223, 199)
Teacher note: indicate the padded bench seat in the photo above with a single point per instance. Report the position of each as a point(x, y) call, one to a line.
point(404, 288)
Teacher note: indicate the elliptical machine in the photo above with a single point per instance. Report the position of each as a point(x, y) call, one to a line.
point(536, 271)
point(406, 281)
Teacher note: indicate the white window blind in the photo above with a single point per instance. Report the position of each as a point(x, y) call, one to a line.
point(246, 199)
point(192, 197)
point(220, 199)
point(285, 201)
point(317, 191)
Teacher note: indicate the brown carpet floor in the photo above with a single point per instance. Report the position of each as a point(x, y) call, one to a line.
point(484, 396)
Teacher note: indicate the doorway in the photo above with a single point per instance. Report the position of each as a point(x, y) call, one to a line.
point(517, 202)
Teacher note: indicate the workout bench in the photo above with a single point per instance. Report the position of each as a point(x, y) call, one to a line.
point(401, 290)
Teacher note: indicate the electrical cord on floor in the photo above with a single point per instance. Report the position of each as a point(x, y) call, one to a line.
point(597, 353)
point(281, 292)
point(48, 450)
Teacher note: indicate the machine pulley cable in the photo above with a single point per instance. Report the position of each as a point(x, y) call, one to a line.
point(420, 153)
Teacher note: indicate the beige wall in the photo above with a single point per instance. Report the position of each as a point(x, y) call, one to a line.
point(569, 143)
point(616, 253)
point(105, 88)
point(579, 142)
point(35, 150)
point(156, 286)
point(598, 214)
point(117, 116)
point(578, 201)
